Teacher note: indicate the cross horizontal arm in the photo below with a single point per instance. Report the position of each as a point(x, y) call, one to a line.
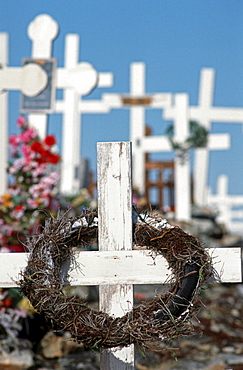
point(123, 267)
point(18, 78)
point(217, 114)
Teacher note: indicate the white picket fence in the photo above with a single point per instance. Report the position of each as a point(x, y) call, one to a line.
point(116, 267)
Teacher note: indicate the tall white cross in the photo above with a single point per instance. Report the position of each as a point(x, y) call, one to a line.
point(3, 116)
point(204, 114)
point(76, 79)
point(116, 266)
point(14, 79)
point(72, 106)
point(138, 102)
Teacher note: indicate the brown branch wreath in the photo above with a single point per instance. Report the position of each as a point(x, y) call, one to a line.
point(149, 324)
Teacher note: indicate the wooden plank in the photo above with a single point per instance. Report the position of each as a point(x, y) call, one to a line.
point(115, 234)
point(123, 267)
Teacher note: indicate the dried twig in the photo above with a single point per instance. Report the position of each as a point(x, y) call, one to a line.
point(166, 317)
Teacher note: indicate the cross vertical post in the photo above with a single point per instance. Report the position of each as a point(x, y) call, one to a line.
point(205, 101)
point(182, 165)
point(229, 206)
point(138, 101)
point(3, 116)
point(115, 233)
point(71, 124)
point(137, 119)
point(42, 31)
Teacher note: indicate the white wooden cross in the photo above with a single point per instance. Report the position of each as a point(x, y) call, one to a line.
point(224, 202)
point(137, 102)
point(176, 109)
point(180, 114)
point(116, 266)
point(204, 113)
point(76, 79)
point(12, 79)
point(3, 116)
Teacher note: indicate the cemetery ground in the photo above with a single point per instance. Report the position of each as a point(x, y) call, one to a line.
point(219, 346)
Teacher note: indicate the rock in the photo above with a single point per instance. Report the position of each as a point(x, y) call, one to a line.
point(18, 359)
point(10, 367)
point(228, 349)
point(54, 346)
point(216, 366)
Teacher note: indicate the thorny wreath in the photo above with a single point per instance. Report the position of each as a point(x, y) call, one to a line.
point(150, 323)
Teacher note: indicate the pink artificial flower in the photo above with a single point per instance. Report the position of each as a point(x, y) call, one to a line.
point(13, 191)
point(17, 212)
point(17, 165)
point(28, 135)
point(4, 250)
point(34, 190)
point(51, 179)
point(32, 203)
point(7, 229)
point(28, 164)
point(14, 140)
point(38, 170)
point(22, 121)
point(26, 150)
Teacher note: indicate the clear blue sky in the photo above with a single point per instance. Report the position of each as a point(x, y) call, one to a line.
point(175, 38)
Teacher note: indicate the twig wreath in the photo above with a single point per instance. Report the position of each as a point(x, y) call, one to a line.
point(149, 324)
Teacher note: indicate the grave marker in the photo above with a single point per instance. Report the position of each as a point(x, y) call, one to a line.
point(204, 113)
point(3, 116)
point(116, 263)
point(76, 79)
point(225, 202)
point(179, 111)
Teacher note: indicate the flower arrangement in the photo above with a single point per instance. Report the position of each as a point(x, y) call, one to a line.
point(31, 187)
point(32, 194)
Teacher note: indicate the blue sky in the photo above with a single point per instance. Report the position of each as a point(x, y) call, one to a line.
point(175, 38)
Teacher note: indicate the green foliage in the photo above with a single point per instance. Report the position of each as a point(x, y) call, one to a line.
point(197, 139)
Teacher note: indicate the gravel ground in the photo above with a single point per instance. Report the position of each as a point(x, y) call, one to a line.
point(218, 347)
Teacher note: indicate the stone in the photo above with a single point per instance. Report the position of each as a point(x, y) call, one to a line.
point(18, 359)
point(55, 346)
point(216, 366)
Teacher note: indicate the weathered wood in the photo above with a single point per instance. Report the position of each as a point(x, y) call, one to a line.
point(115, 234)
point(122, 267)
point(115, 267)
point(3, 117)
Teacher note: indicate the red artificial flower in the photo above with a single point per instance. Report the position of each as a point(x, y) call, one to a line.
point(8, 301)
point(45, 154)
point(36, 147)
point(17, 248)
point(40, 160)
point(53, 158)
point(18, 208)
point(50, 140)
